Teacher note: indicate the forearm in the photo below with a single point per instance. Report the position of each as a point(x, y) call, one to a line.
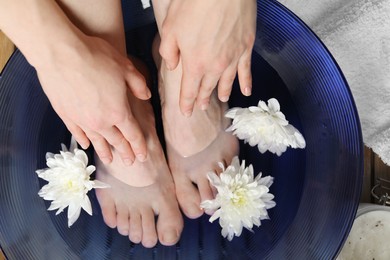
point(38, 28)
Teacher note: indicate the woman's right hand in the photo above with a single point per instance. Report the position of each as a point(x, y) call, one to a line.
point(87, 85)
point(85, 78)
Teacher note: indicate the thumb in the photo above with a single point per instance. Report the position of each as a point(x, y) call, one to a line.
point(169, 51)
point(137, 84)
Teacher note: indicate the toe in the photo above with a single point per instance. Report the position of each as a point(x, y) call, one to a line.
point(135, 228)
point(206, 193)
point(189, 198)
point(122, 219)
point(169, 224)
point(149, 235)
point(107, 206)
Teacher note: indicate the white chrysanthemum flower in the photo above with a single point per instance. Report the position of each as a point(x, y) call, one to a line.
point(265, 126)
point(68, 178)
point(241, 201)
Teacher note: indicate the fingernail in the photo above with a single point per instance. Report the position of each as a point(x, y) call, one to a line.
point(204, 106)
point(84, 146)
point(106, 160)
point(128, 162)
point(170, 236)
point(148, 94)
point(187, 113)
point(247, 91)
point(141, 157)
point(224, 98)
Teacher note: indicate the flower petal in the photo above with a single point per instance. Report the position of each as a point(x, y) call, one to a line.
point(73, 218)
point(215, 216)
point(273, 105)
point(100, 185)
point(86, 205)
point(242, 200)
point(266, 127)
point(68, 177)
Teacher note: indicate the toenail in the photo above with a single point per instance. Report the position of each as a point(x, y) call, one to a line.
point(194, 212)
point(149, 243)
point(170, 236)
point(123, 232)
point(135, 239)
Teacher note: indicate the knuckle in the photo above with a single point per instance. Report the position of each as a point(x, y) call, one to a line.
point(221, 65)
point(189, 94)
point(226, 83)
point(163, 52)
point(224, 91)
point(118, 117)
point(119, 141)
point(95, 123)
point(196, 68)
point(207, 89)
point(102, 152)
point(230, 79)
point(252, 38)
point(130, 67)
point(246, 65)
point(186, 105)
point(203, 100)
point(136, 142)
point(95, 139)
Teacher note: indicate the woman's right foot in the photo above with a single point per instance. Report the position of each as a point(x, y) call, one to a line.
point(132, 210)
point(141, 191)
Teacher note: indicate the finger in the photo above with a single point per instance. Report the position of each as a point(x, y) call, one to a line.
point(116, 139)
point(169, 51)
point(245, 74)
point(136, 83)
point(78, 134)
point(101, 146)
point(190, 84)
point(133, 134)
point(209, 82)
point(226, 82)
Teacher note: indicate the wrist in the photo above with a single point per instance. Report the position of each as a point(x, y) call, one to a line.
point(57, 50)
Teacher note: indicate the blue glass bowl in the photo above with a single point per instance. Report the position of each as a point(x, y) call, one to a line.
point(317, 189)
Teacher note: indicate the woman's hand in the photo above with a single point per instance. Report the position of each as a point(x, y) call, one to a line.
point(214, 39)
point(87, 86)
point(85, 78)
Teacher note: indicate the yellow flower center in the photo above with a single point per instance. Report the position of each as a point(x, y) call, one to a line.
point(239, 197)
point(72, 186)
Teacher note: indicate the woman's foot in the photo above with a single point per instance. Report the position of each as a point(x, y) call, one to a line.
point(140, 192)
point(132, 210)
point(194, 144)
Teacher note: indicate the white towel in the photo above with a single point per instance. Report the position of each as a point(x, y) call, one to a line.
point(145, 3)
point(357, 33)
